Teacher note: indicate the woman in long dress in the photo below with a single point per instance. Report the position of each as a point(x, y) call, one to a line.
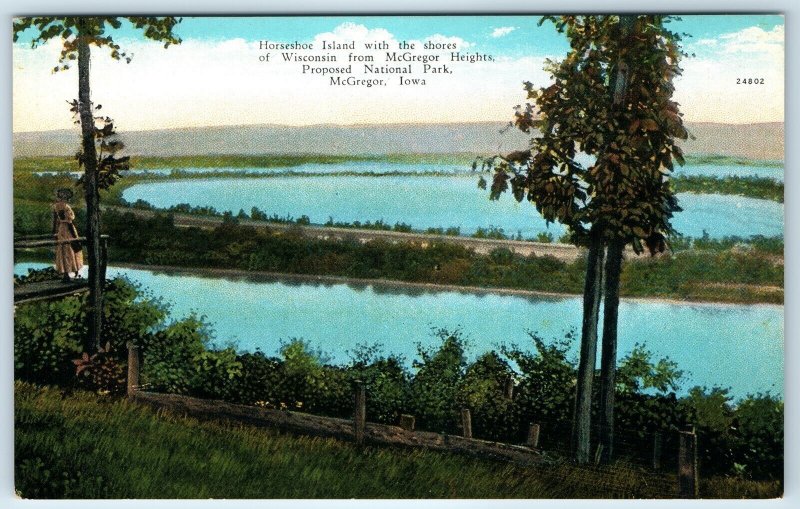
point(69, 255)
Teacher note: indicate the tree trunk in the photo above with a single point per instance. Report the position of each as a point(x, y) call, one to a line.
point(95, 310)
point(592, 293)
point(608, 360)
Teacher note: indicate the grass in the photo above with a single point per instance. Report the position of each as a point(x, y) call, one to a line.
point(704, 159)
point(64, 163)
point(88, 446)
point(286, 160)
point(752, 187)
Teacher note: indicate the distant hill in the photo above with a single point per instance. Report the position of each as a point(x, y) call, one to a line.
point(755, 141)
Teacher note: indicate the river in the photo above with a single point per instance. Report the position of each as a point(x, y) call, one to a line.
point(736, 346)
point(433, 201)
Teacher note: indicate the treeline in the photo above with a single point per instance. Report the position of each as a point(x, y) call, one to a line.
point(505, 389)
point(157, 241)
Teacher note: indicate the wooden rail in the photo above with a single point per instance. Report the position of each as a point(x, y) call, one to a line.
point(56, 288)
point(343, 429)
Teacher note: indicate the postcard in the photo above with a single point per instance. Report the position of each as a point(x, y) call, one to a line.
point(408, 256)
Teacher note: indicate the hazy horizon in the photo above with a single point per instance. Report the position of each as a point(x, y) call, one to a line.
point(357, 125)
point(761, 141)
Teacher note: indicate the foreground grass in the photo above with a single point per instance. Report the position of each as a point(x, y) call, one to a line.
point(86, 446)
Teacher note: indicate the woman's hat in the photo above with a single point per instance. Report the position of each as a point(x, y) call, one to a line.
point(64, 193)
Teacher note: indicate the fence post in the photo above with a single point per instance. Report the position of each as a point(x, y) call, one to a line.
point(533, 436)
point(688, 484)
point(360, 413)
point(466, 422)
point(407, 422)
point(133, 369)
point(657, 451)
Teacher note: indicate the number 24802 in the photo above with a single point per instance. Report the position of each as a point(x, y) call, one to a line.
point(749, 81)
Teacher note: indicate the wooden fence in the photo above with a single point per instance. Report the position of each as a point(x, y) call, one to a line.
point(362, 432)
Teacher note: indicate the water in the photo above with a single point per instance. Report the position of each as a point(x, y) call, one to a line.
point(439, 201)
point(736, 346)
point(375, 167)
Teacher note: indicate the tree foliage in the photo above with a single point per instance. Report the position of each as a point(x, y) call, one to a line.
point(629, 138)
point(96, 29)
point(107, 145)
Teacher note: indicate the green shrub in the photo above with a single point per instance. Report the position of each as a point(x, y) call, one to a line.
point(758, 421)
point(434, 386)
point(178, 357)
point(545, 388)
point(482, 390)
point(48, 335)
point(387, 382)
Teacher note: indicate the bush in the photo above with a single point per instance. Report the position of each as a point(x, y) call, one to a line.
point(758, 451)
point(482, 389)
point(387, 382)
point(545, 391)
point(712, 414)
point(172, 356)
point(101, 372)
point(435, 384)
point(48, 335)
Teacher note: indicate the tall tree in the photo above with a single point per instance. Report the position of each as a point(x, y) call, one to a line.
point(611, 100)
point(78, 34)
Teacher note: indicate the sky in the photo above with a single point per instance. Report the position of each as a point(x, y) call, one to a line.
point(214, 77)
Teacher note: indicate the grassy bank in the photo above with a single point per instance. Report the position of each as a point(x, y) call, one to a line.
point(704, 159)
point(733, 272)
point(86, 446)
point(62, 163)
point(751, 187)
point(700, 270)
point(284, 160)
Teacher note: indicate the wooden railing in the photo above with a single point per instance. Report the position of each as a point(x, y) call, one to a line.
point(41, 290)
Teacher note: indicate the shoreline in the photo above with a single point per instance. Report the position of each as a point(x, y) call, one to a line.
point(393, 283)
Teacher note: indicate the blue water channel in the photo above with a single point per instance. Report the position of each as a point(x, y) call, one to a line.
point(736, 346)
point(433, 201)
point(770, 171)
